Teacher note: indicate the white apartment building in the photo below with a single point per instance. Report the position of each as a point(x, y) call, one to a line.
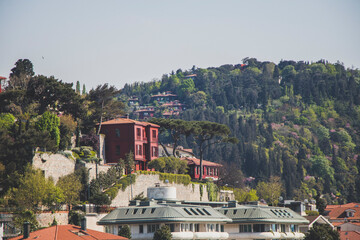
point(200, 221)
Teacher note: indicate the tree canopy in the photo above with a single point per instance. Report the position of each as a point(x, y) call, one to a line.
point(322, 231)
point(163, 233)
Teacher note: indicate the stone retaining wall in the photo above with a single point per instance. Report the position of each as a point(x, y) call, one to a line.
point(190, 192)
point(53, 165)
point(45, 219)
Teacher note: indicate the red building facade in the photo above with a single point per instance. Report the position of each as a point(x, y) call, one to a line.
point(123, 135)
point(210, 169)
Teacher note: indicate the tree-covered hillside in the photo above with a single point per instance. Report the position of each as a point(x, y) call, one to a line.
point(296, 120)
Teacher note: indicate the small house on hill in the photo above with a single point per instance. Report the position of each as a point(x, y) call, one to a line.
point(343, 213)
point(123, 135)
point(210, 169)
point(164, 97)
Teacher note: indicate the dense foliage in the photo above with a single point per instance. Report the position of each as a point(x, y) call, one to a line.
point(322, 231)
point(169, 165)
point(39, 113)
point(163, 233)
point(295, 120)
point(125, 231)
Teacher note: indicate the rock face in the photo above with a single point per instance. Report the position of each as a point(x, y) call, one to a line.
point(45, 219)
point(53, 165)
point(143, 182)
point(57, 165)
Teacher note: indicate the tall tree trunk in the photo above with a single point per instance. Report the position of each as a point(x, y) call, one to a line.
point(201, 164)
point(101, 117)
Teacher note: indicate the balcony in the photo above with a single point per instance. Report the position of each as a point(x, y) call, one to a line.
point(267, 235)
point(185, 235)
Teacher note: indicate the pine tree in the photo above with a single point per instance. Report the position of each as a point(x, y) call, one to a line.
point(163, 233)
point(125, 232)
point(84, 90)
point(77, 87)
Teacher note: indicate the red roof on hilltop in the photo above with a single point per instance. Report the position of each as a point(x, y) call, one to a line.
point(66, 232)
point(339, 211)
point(349, 235)
point(197, 162)
point(127, 121)
point(164, 95)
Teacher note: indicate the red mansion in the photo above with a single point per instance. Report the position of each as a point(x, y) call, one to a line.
point(123, 135)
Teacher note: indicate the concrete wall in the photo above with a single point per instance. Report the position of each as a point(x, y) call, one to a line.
point(45, 219)
point(53, 165)
point(1, 230)
point(144, 181)
point(92, 219)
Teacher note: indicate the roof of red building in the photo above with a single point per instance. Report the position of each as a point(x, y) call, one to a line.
point(197, 162)
point(191, 75)
point(144, 110)
point(349, 235)
point(335, 224)
point(164, 95)
point(65, 232)
point(128, 121)
point(348, 205)
point(2, 78)
point(172, 104)
point(172, 113)
point(339, 211)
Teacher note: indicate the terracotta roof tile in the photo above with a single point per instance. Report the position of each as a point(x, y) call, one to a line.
point(66, 232)
point(127, 121)
point(197, 162)
point(349, 235)
point(338, 212)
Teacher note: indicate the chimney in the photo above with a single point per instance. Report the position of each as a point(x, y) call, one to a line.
point(83, 224)
point(26, 230)
point(127, 116)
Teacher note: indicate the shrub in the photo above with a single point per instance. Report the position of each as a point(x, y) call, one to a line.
point(92, 140)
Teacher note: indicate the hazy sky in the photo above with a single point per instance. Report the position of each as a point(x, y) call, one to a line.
point(118, 42)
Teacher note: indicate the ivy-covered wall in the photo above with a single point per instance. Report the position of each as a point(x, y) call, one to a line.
point(185, 189)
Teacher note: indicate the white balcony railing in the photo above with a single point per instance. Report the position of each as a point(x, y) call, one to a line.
point(185, 235)
point(266, 235)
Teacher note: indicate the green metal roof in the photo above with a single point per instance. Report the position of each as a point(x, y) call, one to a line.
point(266, 214)
point(163, 212)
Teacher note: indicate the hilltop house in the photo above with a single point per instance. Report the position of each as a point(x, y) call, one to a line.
point(164, 97)
point(343, 213)
point(210, 169)
point(145, 113)
point(123, 135)
point(314, 220)
point(346, 219)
